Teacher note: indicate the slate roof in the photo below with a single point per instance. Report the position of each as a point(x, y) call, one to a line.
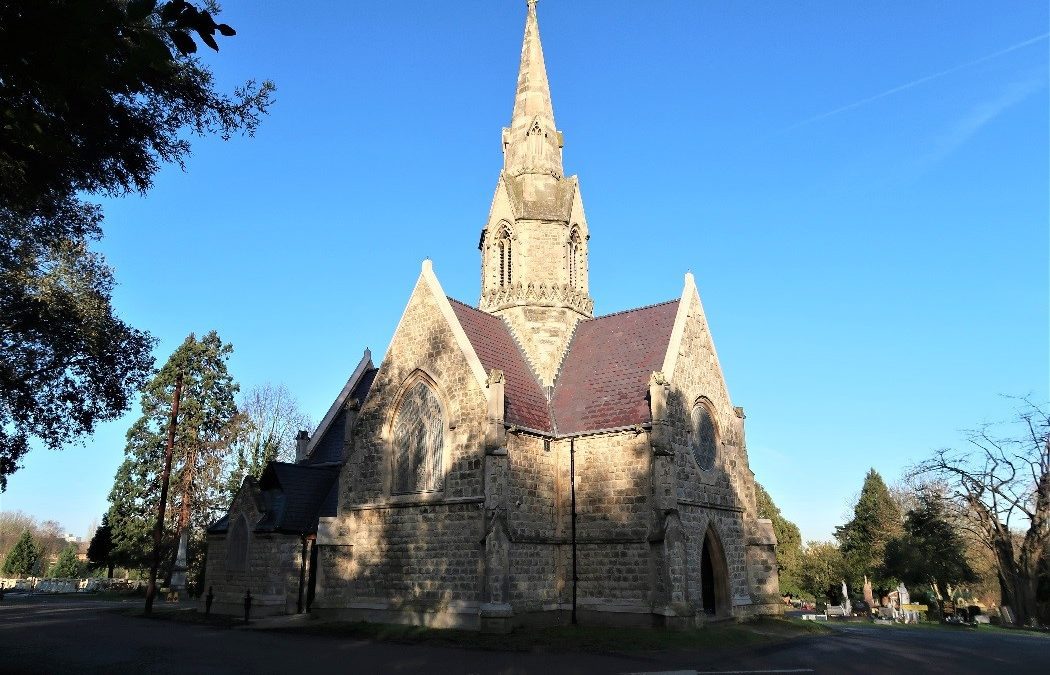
point(303, 489)
point(496, 348)
point(329, 448)
point(604, 379)
point(294, 496)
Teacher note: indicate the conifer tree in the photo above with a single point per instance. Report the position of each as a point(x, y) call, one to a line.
point(22, 559)
point(930, 551)
point(876, 521)
point(101, 551)
point(67, 566)
point(208, 425)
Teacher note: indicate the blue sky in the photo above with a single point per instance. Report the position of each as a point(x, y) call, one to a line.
point(859, 188)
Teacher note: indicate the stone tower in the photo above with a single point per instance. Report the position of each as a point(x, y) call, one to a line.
point(534, 245)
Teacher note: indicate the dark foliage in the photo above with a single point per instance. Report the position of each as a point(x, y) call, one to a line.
point(95, 95)
point(930, 551)
point(101, 552)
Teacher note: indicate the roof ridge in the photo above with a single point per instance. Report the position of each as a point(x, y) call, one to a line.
point(460, 302)
point(636, 309)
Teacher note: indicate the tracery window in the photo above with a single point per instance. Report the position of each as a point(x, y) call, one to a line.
point(703, 439)
point(418, 442)
point(575, 258)
point(237, 545)
point(503, 245)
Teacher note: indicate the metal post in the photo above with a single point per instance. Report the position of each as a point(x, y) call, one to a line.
point(158, 528)
point(572, 490)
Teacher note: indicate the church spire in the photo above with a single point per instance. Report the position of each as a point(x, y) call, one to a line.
point(532, 144)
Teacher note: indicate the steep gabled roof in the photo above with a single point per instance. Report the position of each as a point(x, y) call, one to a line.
point(495, 347)
point(302, 490)
point(292, 497)
point(363, 375)
point(604, 379)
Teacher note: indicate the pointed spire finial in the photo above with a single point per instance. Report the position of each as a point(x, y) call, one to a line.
point(532, 143)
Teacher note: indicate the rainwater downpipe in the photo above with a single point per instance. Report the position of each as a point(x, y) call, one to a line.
point(572, 491)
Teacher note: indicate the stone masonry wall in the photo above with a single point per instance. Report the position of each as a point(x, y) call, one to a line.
point(544, 334)
point(423, 550)
point(613, 515)
point(533, 507)
point(723, 496)
point(272, 574)
point(730, 528)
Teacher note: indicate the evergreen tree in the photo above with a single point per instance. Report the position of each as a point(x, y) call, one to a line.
point(789, 541)
point(101, 552)
point(876, 521)
point(23, 557)
point(208, 425)
point(67, 566)
point(930, 551)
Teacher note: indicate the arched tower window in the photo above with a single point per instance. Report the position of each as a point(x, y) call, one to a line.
point(418, 442)
point(703, 439)
point(575, 257)
point(503, 246)
point(237, 545)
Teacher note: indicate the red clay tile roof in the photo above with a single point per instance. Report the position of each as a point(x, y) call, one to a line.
point(604, 380)
point(526, 403)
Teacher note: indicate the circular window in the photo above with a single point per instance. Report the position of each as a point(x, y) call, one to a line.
point(704, 441)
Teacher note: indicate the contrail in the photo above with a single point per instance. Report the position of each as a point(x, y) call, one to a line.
point(921, 80)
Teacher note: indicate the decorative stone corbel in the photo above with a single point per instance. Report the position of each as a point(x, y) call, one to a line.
point(496, 433)
point(352, 408)
point(660, 436)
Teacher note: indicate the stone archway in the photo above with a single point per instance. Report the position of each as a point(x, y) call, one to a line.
point(714, 577)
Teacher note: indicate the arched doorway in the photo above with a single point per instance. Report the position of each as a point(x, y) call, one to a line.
point(714, 576)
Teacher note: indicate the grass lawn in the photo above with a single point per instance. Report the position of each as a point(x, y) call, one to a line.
point(569, 638)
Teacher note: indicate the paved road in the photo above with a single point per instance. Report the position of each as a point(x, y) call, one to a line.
point(44, 636)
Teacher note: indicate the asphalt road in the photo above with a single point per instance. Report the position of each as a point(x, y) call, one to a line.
point(83, 636)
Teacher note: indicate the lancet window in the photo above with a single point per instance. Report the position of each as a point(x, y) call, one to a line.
point(503, 248)
point(418, 442)
point(575, 258)
point(237, 545)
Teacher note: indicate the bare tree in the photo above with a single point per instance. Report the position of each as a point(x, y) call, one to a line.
point(1000, 488)
point(273, 418)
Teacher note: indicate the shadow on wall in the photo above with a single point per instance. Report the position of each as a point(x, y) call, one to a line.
point(653, 532)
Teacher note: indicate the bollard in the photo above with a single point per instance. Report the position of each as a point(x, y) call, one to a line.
point(208, 599)
point(2, 584)
point(247, 604)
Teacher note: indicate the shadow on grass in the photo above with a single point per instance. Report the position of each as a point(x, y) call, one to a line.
point(186, 615)
point(569, 638)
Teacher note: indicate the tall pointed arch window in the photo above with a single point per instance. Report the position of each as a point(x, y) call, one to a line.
point(418, 441)
point(703, 439)
point(575, 257)
point(237, 545)
point(503, 249)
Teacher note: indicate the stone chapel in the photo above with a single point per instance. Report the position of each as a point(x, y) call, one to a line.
point(520, 461)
